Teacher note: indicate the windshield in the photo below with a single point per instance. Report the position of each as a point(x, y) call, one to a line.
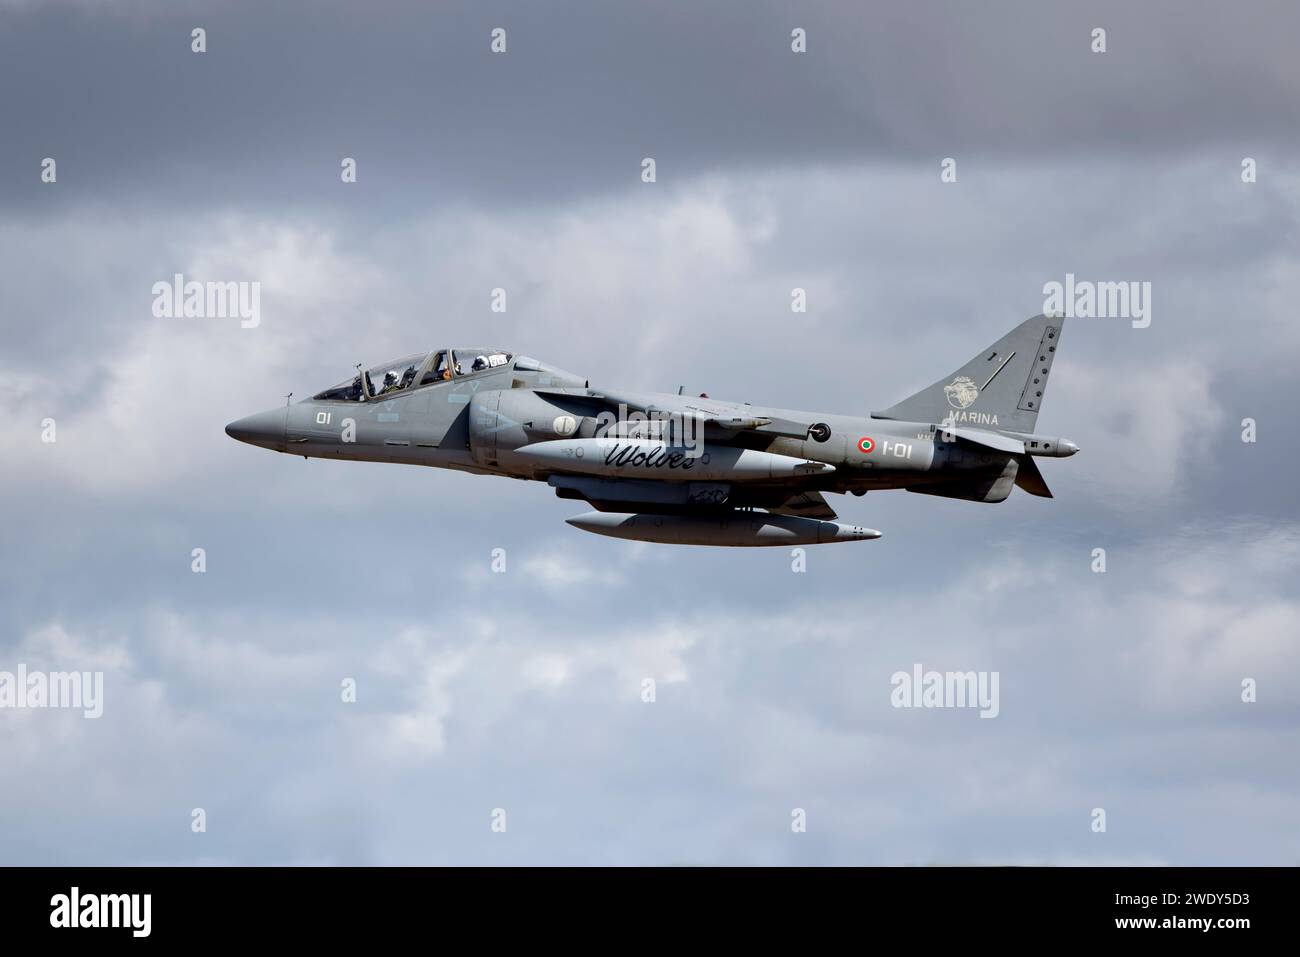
point(349, 390)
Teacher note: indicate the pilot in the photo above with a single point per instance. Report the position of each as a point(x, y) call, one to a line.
point(480, 363)
point(390, 382)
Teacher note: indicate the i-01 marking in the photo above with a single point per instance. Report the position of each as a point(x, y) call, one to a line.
point(899, 450)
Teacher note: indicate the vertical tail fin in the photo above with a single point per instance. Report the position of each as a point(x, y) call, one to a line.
point(1001, 388)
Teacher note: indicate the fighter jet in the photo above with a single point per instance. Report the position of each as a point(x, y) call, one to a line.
point(679, 469)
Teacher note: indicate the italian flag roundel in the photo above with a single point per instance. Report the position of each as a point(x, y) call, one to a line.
point(865, 444)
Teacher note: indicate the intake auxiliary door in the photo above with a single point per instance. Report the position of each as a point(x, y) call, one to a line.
point(484, 426)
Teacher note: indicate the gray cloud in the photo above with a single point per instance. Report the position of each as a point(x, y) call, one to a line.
point(587, 89)
point(521, 690)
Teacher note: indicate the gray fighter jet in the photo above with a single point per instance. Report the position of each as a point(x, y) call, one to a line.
point(688, 470)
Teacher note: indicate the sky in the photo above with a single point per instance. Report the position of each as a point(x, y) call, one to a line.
point(521, 691)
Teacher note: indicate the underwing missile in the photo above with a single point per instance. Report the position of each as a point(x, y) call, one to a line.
point(736, 529)
point(639, 458)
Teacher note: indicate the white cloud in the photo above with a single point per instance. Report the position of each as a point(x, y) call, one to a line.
point(1142, 428)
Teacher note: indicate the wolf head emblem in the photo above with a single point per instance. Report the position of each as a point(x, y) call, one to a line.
point(961, 392)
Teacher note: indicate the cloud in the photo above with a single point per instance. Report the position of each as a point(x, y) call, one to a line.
point(753, 715)
point(878, 83)
point(523, 690)
point(1162, 420)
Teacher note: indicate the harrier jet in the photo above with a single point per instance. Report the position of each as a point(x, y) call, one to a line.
point(688, 470)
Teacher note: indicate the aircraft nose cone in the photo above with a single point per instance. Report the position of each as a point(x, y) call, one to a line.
point(265, 429)
point(1066, 447)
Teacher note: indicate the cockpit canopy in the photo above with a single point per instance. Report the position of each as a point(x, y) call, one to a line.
point(412, 372)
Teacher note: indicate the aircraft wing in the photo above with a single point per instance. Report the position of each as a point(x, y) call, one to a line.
point(727, 416)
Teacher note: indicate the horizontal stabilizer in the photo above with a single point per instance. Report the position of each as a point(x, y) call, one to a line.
point(990, 440)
